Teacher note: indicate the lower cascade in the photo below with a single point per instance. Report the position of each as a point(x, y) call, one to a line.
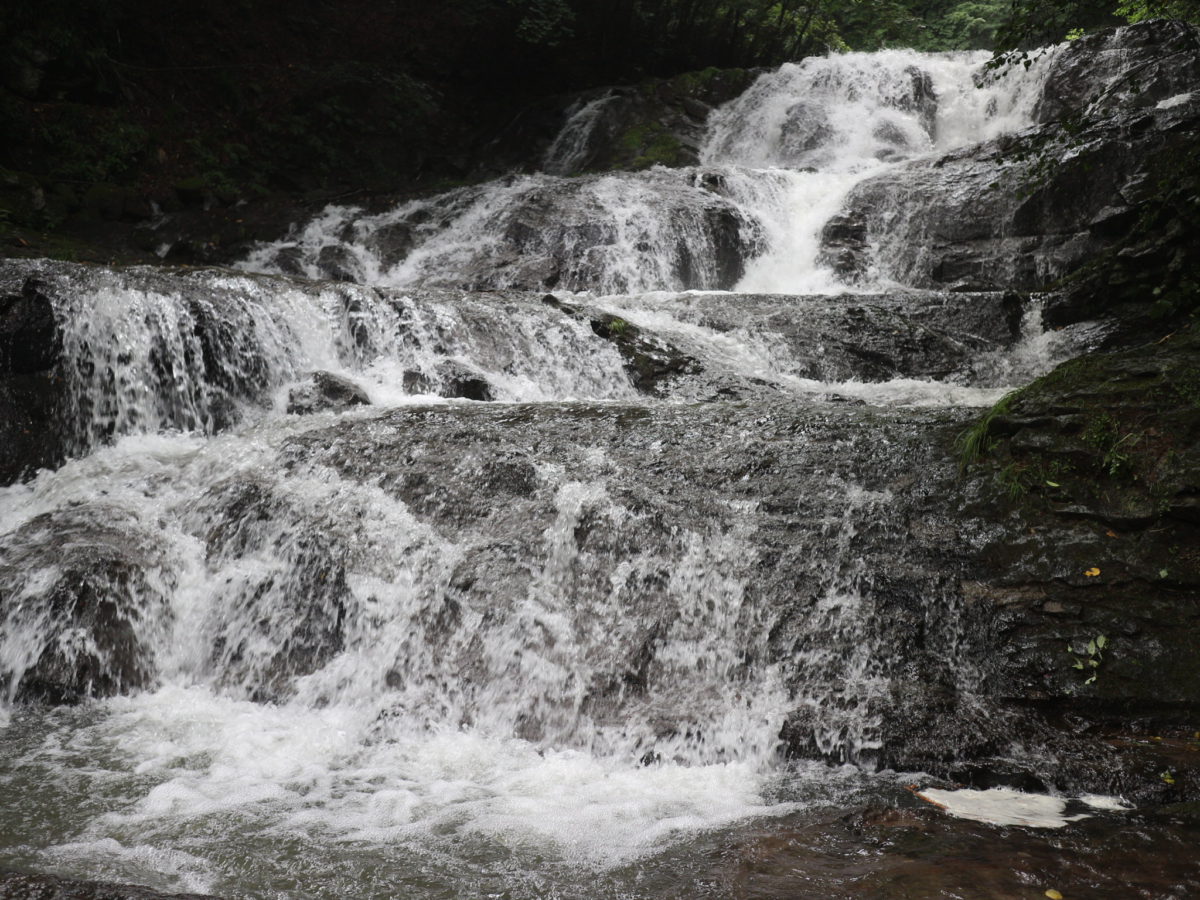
point(588, 534)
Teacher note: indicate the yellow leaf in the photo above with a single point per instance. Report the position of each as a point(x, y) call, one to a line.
point(1054, 895)
point(1092, 572)
point(1111, 533)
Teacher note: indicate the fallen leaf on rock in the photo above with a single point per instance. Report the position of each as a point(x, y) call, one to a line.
point(1092, 572)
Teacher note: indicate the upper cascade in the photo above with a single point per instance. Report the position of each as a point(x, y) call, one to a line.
point(777, 164)
point(847, 112)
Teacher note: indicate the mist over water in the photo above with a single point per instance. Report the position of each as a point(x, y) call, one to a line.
point(434, 647)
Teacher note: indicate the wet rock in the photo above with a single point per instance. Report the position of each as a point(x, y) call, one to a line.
point(458, 381)
point(1121, 68)
point(559, 233)
point(337, 264)
point(1087, 570)
point(29, 337)
point(276, 622)
point(805, 128)
point(25, 886)
point(1063, 195)
point(79, 589)
point(658, 122)
point(650, 362)
point(844, 246)
point(326, 392)
point(31, 396)
point(452, 380)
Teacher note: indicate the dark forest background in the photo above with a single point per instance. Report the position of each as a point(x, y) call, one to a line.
point(107, 105)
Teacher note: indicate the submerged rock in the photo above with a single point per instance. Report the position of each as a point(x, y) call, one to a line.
point(81, 590)
point(326, 392)
point(283, 616)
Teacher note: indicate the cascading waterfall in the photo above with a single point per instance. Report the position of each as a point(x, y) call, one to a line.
point(485, 639)
point(776, 165)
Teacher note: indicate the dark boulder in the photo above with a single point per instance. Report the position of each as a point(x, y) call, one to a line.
point(451, 380)
point(326, 392)
point(78, 588)
point(31, 383)
point(29, 336)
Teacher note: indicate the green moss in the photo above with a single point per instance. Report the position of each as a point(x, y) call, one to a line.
point(1108, 435)
point(977, 441)
point(650, 144)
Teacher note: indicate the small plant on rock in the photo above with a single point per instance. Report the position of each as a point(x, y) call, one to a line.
point(1090, 657)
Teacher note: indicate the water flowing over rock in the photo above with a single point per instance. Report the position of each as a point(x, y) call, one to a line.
point(593, 524)
point(1021, 211)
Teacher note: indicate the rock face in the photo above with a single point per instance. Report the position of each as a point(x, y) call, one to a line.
point(1101, 462)
point(1022, 211)
point(1126, 68)
point(1087, 573)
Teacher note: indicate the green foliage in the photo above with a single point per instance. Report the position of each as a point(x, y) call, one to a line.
point(544, 22)
point(1140, 10)
point(1088, 658)
point(1034, 23)
point(977, 441)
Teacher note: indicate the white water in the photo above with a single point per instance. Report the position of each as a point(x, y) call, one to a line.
point(439, 723)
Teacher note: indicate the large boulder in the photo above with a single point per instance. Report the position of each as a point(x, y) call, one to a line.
point(81, 590)
point(326, 392)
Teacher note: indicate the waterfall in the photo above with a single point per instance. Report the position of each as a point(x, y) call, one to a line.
point(777, 164)
point(594, 538)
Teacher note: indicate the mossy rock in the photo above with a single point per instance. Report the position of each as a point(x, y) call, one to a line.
point(1090, 481)
point(1113, 436)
